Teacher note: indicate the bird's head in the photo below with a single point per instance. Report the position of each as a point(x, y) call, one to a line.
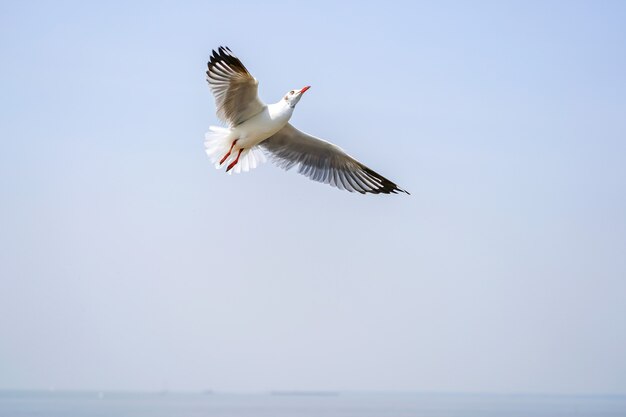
point(293, 97)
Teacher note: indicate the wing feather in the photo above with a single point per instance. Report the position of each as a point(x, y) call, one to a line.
point(234, 88)
point(324, 162)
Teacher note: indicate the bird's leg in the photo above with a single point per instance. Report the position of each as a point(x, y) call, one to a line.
point(232, 164)
point(229, 151)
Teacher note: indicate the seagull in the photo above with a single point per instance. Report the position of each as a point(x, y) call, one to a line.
point(255, 129)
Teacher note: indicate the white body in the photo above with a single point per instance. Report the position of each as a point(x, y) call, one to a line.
point(261, 126)
point(218, 140)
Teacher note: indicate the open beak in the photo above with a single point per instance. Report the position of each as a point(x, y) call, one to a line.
point(304, 89)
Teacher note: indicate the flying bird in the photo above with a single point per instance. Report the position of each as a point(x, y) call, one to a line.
point(255, 128)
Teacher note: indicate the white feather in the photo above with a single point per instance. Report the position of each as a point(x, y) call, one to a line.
point(218, 142)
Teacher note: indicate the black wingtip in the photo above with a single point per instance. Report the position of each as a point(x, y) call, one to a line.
point(224, 55)
point(386, 186)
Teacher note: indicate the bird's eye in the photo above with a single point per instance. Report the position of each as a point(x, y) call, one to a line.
point(291, 92)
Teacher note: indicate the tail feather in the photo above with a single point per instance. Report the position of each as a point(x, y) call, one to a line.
point(217, 143)
point(248, 160)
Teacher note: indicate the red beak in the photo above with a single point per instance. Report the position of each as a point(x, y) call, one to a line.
point(304, 89)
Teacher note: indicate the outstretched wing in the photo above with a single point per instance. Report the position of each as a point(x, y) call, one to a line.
point(324, 162)
point(235, 90)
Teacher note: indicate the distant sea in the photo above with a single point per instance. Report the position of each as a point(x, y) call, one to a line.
point(306, 404)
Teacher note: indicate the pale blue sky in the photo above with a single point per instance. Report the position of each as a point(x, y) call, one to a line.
point(128, 262)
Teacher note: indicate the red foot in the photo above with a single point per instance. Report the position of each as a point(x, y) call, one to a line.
point(232, 164)
point(229, 151)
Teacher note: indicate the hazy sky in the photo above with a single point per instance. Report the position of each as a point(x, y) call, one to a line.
point(128, 262)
